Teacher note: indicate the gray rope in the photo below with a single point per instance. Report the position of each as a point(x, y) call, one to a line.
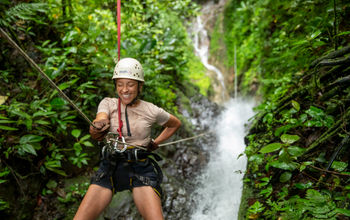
point(61, 93)
point(182, 140)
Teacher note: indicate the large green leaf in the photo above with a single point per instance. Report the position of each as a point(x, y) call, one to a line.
point(295, 151)
point(30, 138)
point(345, 212)
point(28, 148)
point(285, 177)
point(76, 133)
point(270, 148)
point(3, 127)
point(284, 165)
point(289, 139)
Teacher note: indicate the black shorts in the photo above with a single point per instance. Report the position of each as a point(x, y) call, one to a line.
point(123, 175)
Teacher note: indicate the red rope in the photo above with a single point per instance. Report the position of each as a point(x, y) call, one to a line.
point(118, 23)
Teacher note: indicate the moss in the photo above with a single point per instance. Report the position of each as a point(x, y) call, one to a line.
point(197, 75)
point(247, 193)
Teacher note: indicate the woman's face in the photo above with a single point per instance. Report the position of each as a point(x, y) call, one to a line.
point(127, 90)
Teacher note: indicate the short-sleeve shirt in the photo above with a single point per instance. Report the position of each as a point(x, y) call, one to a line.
point(141, 118)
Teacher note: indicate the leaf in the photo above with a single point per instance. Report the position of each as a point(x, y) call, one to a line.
point(85, 137)
point(28, 148)
point(283, 165)
point(6, 121)
point(289, 139)
point(312, 194)
point(303, 185)
point(76, 133)
point(51, 184)
point(295, 151)
point(42, 122)
point(345, 212)
point(88, 144)
point(60, 172)
point(270, 148)
point(304, 165)
point(315, 34)
point(30, 138)
point(343, 33)
point(285, 177)
point(295, 105)
point(339, 165)
point(3, 127)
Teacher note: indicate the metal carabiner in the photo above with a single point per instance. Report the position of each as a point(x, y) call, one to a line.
point(117, 149)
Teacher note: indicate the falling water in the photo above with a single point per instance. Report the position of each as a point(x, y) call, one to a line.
point(201, 46)
point(219, 187)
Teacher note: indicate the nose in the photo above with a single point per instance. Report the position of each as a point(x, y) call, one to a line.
point(124, 88)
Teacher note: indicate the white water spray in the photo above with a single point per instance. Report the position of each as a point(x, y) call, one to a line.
point(220, 186)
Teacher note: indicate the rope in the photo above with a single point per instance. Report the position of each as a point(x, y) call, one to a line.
point(61, 93)
point(118, 23)
point(182, 140)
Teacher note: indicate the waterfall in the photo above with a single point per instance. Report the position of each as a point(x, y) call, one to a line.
point(201, 47)
point(219, 186)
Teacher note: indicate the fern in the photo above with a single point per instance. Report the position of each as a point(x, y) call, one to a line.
point(24, 11)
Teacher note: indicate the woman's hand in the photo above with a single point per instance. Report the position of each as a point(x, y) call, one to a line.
point(171, 127)
point(152, 146)
point(100, 129)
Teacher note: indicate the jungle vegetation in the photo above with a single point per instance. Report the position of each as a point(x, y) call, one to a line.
point(295, 56)
point(292, 55)
point(43, 139)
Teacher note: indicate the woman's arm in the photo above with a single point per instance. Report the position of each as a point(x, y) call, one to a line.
point(100, 116)
point(170, 128)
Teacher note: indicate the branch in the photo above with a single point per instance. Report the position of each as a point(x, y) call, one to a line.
point(328, 171)
point(332, 55)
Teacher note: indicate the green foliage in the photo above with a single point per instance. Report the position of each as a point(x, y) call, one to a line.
point(276, 39)
point(24, 11)
point(77, 50)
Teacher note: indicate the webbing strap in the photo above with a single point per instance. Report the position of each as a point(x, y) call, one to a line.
point(127, 121)
point(118, 23)
point(119, 119)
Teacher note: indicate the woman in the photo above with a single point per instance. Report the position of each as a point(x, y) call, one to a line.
point(132, 118)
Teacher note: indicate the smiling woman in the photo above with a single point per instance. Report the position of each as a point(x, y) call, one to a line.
point(131, 169)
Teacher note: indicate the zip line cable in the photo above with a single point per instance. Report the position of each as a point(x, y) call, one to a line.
point(61, 93)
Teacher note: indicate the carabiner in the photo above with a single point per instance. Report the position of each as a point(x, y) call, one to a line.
point(116, 148)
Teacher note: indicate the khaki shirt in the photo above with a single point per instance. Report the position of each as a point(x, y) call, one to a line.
point(140, 117)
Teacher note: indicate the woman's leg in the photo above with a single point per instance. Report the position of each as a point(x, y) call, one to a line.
point(148, 203)
point(95, 201)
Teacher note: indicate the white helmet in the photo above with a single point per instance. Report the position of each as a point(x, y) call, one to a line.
point(128, 68)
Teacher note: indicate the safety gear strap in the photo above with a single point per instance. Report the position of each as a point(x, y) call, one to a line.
point(119, 118)
point(127, 121)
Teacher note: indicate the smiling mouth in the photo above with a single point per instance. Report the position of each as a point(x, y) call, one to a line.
point(126, 96)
